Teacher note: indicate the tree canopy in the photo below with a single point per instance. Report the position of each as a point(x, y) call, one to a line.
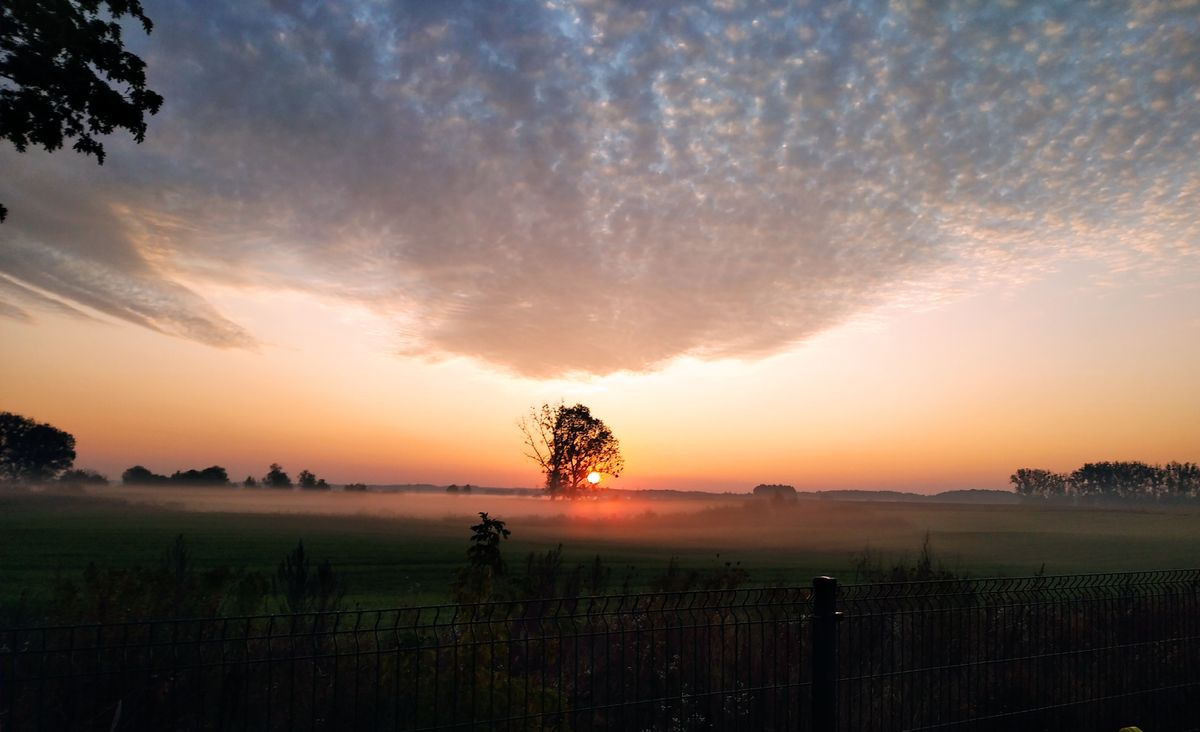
point(310, 482)
point(276, 477)
point(569, 444)
point(33, 451)
point(213, 475)
point(66, 74)
point(83, 476)
point(1108, 480)
point(775, 490)
point(141, 475)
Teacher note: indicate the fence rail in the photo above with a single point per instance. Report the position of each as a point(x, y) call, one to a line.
point(1075, 652)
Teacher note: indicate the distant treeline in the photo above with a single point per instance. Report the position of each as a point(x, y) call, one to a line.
point(776, 491)
point(216, 475)
point(1120, 480)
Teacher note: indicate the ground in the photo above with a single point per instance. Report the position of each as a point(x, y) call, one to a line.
point(403, 548)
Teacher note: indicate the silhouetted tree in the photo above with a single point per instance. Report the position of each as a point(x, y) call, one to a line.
point(214, 475)
point(568, 444)
point(1113, 480)
point(775, 491)
point(67, 74)
point(140, 475)
point(355, 487)
point(306, 479)
point(276, 478)
point(1181, 480)
point(33, 451)
point(83, 477)
point(1038, 482)
point(249, 482)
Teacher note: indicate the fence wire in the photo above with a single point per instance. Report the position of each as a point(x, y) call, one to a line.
point(1052, 653)
point(1083, 652)
point(670, 661)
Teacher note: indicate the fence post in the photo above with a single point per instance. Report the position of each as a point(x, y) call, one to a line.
point(824, 654)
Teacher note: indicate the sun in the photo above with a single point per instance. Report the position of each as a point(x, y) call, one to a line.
point(593, 477)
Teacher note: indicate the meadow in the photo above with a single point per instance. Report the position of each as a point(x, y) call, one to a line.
point(403, 548)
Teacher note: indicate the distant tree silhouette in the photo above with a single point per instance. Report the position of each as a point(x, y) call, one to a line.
point(775, 491)
point(568, 444)
point(83, 477)
point(452, 488)
point(249, 482)
point(1038, 482)
point(140, 475)
point(276, 478)
point(214, 475)
point(1115, 480)
point(1112, 480)
point(307, 480)
point(1181, 480)
point(33, 451)
point(355, 487)
point(67, 74)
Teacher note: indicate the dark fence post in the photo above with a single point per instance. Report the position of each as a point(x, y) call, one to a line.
point(824, 654)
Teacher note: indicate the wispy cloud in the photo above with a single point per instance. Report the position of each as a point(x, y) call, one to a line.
point(594, 186)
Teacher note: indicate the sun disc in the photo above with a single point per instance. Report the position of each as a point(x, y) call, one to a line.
point(593, 477)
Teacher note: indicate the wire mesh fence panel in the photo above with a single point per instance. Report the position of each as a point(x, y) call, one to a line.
point(1044, 653)
point(1075, 652)
point(727, 659)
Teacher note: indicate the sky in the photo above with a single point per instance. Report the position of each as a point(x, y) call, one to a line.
point(836, 245)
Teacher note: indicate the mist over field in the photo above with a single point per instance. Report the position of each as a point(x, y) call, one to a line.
point(410, 504)
point(404, 547)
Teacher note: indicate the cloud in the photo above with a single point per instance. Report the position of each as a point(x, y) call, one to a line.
point(71, 246)
point(554, 187)
point(14, 292)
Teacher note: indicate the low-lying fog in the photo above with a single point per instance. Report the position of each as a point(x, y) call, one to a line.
point(405, 503)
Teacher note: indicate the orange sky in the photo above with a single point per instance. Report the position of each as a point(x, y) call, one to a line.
point(1049, 374)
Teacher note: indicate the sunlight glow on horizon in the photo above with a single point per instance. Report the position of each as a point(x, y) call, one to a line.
point(956, 396)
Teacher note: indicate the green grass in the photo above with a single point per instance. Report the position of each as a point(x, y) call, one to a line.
point(390, 561)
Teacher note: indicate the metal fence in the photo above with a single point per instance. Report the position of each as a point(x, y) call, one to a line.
point(1085, 652)
point(1081, 652)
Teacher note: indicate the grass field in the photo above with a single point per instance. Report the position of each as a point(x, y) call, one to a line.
point(403, 548)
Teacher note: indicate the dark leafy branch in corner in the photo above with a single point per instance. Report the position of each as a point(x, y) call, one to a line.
point(66, 74)
point(32, 451)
